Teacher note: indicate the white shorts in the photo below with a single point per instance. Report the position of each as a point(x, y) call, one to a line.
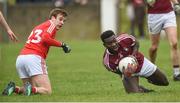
point(30, 65)
point(148, 68)
point(157, 22)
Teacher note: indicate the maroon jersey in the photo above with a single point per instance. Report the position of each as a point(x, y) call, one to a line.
point(160, 6)
point(126, 43)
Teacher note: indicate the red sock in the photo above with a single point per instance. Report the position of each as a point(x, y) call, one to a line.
point(34, 90)
point(17, 90)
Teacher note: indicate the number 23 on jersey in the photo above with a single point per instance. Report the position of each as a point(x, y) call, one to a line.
point(34, 37)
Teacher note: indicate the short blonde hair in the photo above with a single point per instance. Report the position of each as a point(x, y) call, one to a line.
point(54, 12)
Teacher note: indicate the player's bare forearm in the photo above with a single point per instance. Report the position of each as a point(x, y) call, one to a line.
point(116, 71)
point(3, 22)
point(175, 1)
point(7, 28)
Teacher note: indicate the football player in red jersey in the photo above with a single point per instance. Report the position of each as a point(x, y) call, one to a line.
point(11, 35)
point(162, 17)
point(123, 45)
point(30, 64)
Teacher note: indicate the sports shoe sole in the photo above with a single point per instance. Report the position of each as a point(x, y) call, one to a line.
point(9, 89)
point(27, 89)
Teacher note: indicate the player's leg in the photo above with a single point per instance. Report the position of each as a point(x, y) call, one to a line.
point(158, 78)
point(140, 14)
point(37, 84)
point(23, 89)
point(37, 70)
point(154, 26)
point(41, 83)
point(33, 67)
point(154, 75)
point(21, 70)
point(131, 84)
point(172, 37)
point(131, 17)
point(170, 27)
point(154, 46)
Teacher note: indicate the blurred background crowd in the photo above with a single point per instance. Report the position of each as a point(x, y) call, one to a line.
point(83, 21)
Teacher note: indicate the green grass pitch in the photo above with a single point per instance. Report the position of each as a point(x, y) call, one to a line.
point(81, 77)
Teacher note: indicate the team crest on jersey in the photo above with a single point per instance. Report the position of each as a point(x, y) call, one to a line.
point(126, 49)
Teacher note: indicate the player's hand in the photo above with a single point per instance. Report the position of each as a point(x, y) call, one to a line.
point(130, 70)
point(66, 48)
point(150, 2)
point(177, 8)
point(12, 36)
point(117, 71)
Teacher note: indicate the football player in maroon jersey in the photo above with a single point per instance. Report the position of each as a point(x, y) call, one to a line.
point(162, 17)
point(123, 45)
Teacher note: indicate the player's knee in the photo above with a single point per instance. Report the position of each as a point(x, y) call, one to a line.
point(165, 82)
point(174, 46)
point(153, 48)
point(48, 91)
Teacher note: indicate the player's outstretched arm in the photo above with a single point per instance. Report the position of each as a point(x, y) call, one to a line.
point(176, 6)
point(66, 48)
point(52, 42)
point(11, 35)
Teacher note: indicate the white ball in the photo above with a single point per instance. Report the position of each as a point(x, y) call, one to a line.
point(123, 63)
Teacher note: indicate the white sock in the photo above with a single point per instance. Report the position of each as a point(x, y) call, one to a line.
point(176, 71)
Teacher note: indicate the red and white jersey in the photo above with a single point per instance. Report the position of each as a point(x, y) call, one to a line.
point(40, 39)
point(160, 6)
point(126, 43)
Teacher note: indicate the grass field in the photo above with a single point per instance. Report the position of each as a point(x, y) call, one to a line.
point(81, 77)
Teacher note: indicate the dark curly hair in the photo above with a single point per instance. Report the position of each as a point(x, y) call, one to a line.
point(107, 34)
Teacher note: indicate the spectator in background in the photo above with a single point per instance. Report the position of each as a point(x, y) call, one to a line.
point(58, 3)
point(61, 3)
point(81, 2)
point(3, 22)
point(136, 14)
point(32, 1)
